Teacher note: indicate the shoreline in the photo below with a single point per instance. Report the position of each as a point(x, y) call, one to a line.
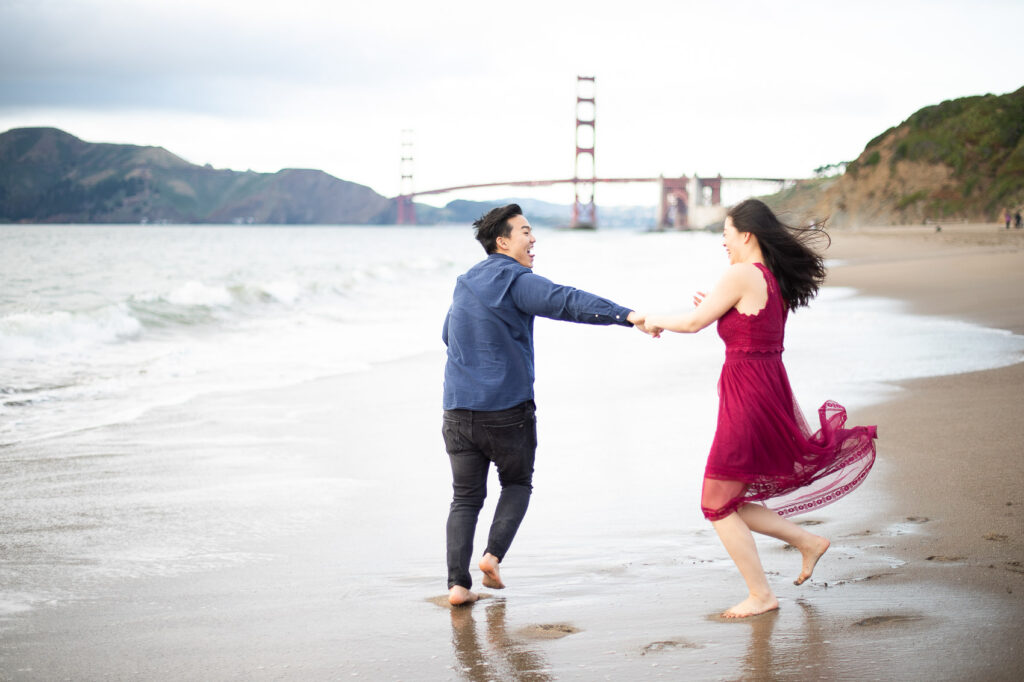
point(958, 441)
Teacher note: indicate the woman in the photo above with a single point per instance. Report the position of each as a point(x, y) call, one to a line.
point(763, 451)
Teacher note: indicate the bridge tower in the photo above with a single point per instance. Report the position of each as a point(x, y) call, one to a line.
point(406, 209)
point(673, 202)
point(584, 212)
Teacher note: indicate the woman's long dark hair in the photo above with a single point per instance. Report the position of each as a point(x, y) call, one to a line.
point(798, 268)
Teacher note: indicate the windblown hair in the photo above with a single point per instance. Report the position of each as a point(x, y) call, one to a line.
point(787, 250)
point(494, 224)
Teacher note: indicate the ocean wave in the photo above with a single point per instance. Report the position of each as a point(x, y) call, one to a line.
point(26, 335)
point(199, 294)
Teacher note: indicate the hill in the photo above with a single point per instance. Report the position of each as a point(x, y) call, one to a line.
point(962, 159)
point(47, 175)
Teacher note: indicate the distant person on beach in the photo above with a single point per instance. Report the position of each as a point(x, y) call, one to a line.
point(1016, 220)
point(488, 386)
point(1006, 217)
point(765, 464)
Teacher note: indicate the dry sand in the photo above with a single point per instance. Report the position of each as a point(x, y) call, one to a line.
point(923, 581)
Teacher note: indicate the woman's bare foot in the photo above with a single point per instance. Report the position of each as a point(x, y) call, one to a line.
point(459, 595)
point(811, 554)
point(752, 606)
point(492, 578)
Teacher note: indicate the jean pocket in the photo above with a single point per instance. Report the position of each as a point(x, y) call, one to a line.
point(515, 439)
point(453, 440)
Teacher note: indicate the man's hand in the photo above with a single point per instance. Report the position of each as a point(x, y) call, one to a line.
point(639, 321)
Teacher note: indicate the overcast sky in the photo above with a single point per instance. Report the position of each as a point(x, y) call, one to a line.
point(733, 87)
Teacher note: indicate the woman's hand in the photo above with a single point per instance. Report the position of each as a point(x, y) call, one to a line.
point(639, 320)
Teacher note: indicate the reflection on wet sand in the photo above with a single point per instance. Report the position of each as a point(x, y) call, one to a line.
point(759, 661)
point(805, 655)
point(500, 656)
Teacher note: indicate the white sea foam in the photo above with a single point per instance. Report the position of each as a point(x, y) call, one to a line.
point(27, 335)
point(197, 293)
point(283, 291)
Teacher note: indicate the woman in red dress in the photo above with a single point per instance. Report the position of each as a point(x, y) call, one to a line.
point(765, 463)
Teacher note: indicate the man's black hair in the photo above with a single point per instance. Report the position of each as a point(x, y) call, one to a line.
point(494, 224)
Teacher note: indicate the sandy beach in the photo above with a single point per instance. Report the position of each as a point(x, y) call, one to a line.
point(924, 580)
point(955, 443)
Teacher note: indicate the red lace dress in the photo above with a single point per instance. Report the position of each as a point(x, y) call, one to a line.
point(763, 450)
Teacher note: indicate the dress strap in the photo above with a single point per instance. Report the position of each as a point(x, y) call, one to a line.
point(769, 278)
point(772, 283)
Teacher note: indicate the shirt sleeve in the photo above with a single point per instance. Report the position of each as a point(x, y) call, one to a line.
point(538, 295)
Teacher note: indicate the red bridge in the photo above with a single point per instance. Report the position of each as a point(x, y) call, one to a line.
point(676, 195)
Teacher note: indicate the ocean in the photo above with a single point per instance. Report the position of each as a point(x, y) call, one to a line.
point(154, 411)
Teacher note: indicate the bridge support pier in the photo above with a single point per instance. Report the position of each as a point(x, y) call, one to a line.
point(673, 202)
point(406, 210)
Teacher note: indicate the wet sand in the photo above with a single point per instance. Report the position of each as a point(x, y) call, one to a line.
point(923, 581)
point(956, 442)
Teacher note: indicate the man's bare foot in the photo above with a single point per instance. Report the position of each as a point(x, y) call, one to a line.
point(492, 578)
point(811, 554)
point(751, 606)
point(459, 595)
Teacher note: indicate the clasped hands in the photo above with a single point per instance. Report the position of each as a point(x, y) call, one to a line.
point(648, 324)
point(639, 321)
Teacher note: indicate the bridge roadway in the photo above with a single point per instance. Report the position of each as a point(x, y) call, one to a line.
point(582, 181)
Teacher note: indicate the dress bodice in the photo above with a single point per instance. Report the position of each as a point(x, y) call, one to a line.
point(762, 332)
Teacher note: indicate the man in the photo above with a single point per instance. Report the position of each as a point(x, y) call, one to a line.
point(488, 386)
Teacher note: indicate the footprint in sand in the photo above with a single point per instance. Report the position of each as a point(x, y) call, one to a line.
point(918, 519)
point(1014, 566)
point(941, 557)
point(809, 522)
point(547, 631)
point(997, 537)
point(668, 645)
point(884, 620)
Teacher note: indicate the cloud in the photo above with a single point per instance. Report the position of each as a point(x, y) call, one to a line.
point(223, 57)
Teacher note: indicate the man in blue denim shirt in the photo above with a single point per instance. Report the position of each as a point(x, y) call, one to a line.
point(488, 386)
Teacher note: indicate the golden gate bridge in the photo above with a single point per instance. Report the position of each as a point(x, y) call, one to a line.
point(682, 201)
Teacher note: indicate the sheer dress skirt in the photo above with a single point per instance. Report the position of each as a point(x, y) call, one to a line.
point(764, 451)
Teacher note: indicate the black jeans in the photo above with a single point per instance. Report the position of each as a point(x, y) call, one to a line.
point(474, 440)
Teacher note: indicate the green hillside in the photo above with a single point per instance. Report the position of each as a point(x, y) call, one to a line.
point(961, 159)
point(47, 175)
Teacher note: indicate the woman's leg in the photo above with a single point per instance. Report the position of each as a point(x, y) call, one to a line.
point(738, 541)
point(766, 522)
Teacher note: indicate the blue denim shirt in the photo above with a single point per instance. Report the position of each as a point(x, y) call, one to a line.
point(489, 331)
